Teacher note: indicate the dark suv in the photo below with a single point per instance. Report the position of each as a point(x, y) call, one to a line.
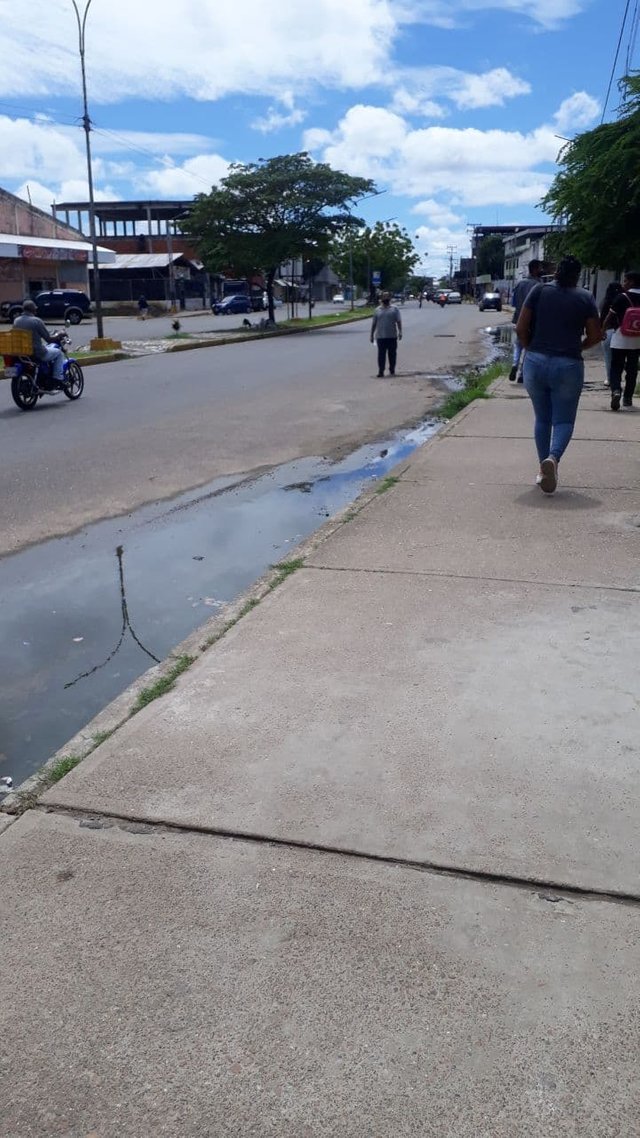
point(57, 304)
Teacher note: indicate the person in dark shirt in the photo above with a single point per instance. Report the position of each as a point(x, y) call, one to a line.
point(557, 323)
point(520, 294)
point(45, 347)
point(625, 350)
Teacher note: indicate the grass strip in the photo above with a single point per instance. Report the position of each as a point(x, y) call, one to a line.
point(475, 386)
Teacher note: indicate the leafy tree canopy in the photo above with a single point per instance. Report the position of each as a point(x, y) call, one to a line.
point(385, 248)
point(490, 257)
point(267, 212)
point(596, 192)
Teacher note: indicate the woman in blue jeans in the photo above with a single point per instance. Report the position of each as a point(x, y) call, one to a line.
point(557, 323)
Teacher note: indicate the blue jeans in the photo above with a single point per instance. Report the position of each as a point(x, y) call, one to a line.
point(554, 385)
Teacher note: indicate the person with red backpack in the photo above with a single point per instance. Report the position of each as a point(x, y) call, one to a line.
point(624, 317)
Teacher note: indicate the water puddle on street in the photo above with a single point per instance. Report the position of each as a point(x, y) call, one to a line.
point(62, 613)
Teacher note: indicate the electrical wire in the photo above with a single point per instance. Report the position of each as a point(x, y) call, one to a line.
point(633, 35)
point(615, 59)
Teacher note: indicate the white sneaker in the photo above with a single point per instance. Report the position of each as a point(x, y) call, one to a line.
point(547, 479)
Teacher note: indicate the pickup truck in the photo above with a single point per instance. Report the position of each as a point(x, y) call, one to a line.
point(66, 304)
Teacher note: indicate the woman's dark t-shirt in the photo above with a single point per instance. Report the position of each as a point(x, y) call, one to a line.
point(559, 319)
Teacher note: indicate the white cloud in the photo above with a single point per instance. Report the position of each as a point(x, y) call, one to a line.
point(580, 110)
point(195, 176)
point(449, 13)
point(407, 102)
point(491, 89)
point(438, 213)
point(200, 48)
point(474, 167)
point(283, 114)
point(416, 88)
point(76, 189)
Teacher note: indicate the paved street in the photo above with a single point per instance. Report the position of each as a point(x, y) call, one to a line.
point(372, 867)
point(148, 428)
point(157, 327)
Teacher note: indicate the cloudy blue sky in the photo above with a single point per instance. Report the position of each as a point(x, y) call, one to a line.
point(453, 106)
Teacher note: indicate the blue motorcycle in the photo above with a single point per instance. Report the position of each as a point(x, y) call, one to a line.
point(32, 379)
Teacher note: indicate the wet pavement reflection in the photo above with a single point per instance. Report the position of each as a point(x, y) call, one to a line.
point(61, 607)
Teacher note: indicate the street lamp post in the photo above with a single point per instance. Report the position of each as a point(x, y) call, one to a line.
point(377, 194)
point(86, 122)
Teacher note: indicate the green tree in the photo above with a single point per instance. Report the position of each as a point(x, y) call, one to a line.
point(490, 257)
point(596, 192)
point(385, 248)
point(267, 212)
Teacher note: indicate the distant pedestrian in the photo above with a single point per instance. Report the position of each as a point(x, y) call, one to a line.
point(624, 318)
point(613, 290)
point(520, 294)
point(551, 326)
point(143, 307)
point(386, 328)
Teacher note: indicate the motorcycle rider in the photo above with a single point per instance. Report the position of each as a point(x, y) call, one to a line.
point(45, 348)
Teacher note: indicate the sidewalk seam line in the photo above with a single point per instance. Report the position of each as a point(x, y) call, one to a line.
point(438, 869)
point(470, 577)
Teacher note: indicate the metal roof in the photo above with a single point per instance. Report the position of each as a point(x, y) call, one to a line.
point(142, 260)
point(10, 243)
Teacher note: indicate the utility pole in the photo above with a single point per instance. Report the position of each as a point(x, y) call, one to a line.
point(451, 250)
point(86, 122)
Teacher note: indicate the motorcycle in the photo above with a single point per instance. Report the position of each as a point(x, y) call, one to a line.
point(32, 379)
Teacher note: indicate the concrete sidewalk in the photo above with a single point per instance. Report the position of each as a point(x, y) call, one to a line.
point(372, 869)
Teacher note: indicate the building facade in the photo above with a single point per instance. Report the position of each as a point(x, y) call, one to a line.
point(526, 244)
point(39, 252)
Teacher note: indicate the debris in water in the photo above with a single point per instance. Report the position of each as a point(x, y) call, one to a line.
point(213, 603)
point(304, 487)
point(197, 558)
point(7, 781)
point(78, 639)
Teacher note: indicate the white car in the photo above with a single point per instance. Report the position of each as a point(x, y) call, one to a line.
point(338, 298)
point(454, 298)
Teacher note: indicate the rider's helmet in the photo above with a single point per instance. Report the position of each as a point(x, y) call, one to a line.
point(29, 306)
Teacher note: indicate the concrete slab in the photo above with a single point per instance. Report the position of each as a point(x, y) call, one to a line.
point(491, 727)
point(517, 533)
point(5, 822)
point(481, 461)
point(513, 418)
point(185, 985)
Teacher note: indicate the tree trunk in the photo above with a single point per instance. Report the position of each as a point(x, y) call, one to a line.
point(270, 279)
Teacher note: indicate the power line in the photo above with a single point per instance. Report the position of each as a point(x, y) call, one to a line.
point(633, 34)
point(615, 60)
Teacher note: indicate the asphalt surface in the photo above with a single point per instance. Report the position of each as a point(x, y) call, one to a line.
point(149, 428)
point(128, 328)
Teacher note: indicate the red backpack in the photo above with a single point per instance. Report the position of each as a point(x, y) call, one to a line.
point(630, 325)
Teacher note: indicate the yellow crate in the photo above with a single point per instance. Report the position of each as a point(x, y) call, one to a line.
point(16, 342)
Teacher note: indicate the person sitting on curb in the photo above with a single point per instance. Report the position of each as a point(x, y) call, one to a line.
point(386, 327)
point(520, 294)
point(552, 322)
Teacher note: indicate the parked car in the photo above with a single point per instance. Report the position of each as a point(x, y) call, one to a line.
point(338, 298)
point(490, 300)
point(67, 304)
point(454, 298)
point(232, 305)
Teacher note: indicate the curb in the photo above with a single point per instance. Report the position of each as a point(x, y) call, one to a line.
point(202, 639)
